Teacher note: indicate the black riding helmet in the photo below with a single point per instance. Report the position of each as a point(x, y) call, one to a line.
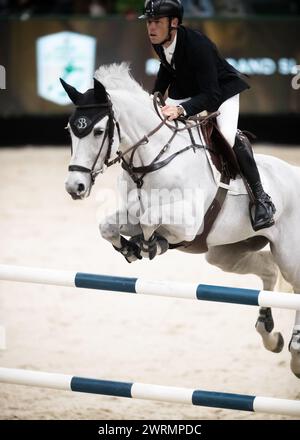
point(163, 8)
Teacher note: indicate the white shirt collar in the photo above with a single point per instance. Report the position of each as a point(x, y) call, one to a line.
point(169, 51)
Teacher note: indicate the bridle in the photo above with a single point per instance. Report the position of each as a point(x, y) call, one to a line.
point(138, 173)
point(108, 133)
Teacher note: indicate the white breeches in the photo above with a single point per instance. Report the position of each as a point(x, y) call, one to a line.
point(228, 118)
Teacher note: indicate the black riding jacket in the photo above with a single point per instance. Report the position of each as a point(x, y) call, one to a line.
point(199, 73)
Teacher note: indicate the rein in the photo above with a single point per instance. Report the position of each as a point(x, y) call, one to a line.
point(138, 173)
point(191, 122)
point(155, 164)
point(135, 172)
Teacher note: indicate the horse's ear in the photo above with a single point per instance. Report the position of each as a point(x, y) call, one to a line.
point(72, 93)
point(99, 91)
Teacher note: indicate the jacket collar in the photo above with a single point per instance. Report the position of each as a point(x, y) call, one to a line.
point(169, 51)
point(177, 53)
point(179, 50)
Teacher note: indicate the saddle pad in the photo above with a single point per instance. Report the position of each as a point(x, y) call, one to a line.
point(236, 186)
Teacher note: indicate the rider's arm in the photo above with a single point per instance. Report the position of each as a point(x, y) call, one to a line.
point(204, 64)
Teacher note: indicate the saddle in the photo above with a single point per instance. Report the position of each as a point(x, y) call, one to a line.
point(222, 155)
point(224, 159)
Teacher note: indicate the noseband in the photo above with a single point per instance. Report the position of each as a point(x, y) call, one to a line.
point(138, 173)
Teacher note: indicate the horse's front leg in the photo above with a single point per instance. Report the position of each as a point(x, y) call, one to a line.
point(166, 223)
point(111, 229)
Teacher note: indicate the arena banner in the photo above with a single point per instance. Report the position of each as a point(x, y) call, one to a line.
point(36, 52)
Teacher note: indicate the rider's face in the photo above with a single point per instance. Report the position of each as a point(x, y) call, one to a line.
point(158, 29)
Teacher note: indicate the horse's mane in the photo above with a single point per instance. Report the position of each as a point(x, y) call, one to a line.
point(118, 77)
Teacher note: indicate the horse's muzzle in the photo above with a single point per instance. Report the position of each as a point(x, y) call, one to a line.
point(78, 185)
point(75, 196)
point(76, 190)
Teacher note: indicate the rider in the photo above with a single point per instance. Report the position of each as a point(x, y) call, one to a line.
point(199, 78)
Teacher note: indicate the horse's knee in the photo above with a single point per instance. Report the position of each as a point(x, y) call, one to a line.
point(108, 231)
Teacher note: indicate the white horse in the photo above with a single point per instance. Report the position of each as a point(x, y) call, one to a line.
point(112, 119)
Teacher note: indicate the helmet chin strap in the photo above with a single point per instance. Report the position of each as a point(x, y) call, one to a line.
point(169, 37)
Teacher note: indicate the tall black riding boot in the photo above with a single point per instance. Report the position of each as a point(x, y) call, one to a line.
point(264, 208)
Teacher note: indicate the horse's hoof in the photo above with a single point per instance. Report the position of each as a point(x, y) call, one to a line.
point(148, 248)
point(295, 364)
point(294, 347)
point(263, 225)
point(297, 374)
point(129, 250)
point(273, 341)
point(130, 258)
point(280, 343)
point(162, 244)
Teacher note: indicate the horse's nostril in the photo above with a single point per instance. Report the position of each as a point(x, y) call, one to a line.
point(81, 187)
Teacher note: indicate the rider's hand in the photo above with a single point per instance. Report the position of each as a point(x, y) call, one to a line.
point(171, 111)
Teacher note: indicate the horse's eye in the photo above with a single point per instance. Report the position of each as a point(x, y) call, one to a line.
point(98, 131)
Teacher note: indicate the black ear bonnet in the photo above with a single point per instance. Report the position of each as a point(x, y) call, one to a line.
point(91, 107)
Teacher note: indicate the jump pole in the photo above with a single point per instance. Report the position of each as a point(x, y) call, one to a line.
point(206, 292)
point(141, 286)
point(132, 390)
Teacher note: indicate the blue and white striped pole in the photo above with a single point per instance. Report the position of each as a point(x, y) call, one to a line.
point(251, 297)
point(212, 399)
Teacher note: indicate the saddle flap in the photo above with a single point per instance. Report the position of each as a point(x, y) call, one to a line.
point(220, 151)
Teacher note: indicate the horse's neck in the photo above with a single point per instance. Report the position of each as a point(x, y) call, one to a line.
point(137, 119)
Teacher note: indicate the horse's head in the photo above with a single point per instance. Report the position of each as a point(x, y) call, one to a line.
point(91, 126)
